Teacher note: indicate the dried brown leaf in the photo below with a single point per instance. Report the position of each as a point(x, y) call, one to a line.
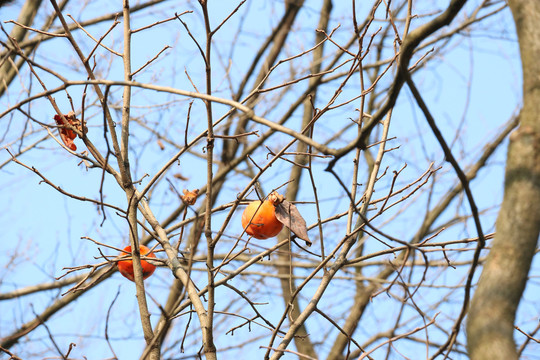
point(289, 216)
point(180, 177)
point(190, 197)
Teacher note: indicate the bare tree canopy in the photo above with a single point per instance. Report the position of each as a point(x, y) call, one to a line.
point(298, 179)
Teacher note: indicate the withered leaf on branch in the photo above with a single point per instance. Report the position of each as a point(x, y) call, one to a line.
point(66, 134)
point(180, 177)
point(289, 216)
point(190, 197)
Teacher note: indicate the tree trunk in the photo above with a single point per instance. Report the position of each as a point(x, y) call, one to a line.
point(490, 326)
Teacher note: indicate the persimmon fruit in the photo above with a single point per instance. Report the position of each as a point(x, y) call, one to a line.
point(259, 219)
point(126, 266)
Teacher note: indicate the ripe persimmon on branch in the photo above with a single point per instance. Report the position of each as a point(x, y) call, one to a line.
point(195, 147)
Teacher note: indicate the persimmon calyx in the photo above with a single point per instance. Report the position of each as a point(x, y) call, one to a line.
point(275, 198)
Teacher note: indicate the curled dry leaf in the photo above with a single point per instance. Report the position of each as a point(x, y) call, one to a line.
point(180, 177)
point(68, 135)
point(289, 216)
point(190, 197)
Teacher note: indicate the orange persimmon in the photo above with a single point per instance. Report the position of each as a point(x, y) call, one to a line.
point(126, 266)
point(259, 219)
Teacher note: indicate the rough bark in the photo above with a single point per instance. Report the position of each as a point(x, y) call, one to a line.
point(490, 326)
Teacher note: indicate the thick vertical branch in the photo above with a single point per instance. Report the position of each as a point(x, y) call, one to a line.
point(178, 271)
point(124, 139)
point(490, 326)
point(123, 164)
point(208, 327)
